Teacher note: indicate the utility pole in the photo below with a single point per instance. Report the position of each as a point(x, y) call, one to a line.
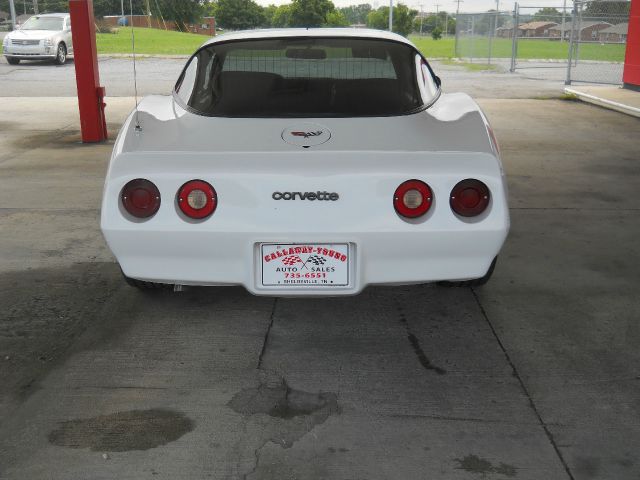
point(122, 7)
point(455, 48)
point(148, 15)
point(421, 17)
point(391, 15)
point(12, 9)
point(436, 5)
point(35, 7)
point(564, 14)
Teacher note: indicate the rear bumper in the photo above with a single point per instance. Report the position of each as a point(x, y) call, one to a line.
point(209, 258)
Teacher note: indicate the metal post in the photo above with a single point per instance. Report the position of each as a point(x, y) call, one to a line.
point(473, 32)
point(421, 17)
point(12, 9)
point(35, 7)
point(579, 33)
point(564, 17)
point(90, 93)
point(446, 25)
point(491, 23)
point(570, 59)
point(391, 15)
point(514, 37)
point(455, 48)
point(122, 7)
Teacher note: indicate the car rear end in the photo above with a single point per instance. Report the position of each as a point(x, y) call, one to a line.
point(302, 204)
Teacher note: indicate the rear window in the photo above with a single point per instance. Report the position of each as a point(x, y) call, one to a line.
point(310, 77)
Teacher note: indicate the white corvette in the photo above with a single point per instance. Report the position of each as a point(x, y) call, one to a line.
point(306, 162)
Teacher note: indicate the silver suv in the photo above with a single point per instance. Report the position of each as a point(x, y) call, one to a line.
point(39, 38)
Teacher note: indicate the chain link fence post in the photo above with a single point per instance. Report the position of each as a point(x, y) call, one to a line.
point(514, 37)
point(571, 42)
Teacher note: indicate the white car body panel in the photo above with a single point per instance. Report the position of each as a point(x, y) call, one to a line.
point(364, 161)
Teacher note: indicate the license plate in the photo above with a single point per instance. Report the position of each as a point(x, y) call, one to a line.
point(305, 265)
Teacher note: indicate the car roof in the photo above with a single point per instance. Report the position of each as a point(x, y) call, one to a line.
point(260, 34)
point(61, 15)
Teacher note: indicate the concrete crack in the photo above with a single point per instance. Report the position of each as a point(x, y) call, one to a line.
point(266, 335)
point(532, 404)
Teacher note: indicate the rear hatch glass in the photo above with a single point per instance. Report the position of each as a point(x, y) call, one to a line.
point(301, 77)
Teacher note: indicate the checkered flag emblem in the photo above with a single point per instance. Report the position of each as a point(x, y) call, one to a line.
point(316, 260)
point(291, 260)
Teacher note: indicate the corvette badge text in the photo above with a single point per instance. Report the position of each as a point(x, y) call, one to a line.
point(322, 196)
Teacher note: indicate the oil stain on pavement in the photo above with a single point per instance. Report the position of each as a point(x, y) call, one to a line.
point(123, 431)
point(481, 466)
point(293, 412)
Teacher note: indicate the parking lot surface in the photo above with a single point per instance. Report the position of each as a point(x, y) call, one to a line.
point(159, 75)
point(533, 376)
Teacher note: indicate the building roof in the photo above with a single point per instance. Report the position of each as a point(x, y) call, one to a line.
point(535, 25)
point(620, 28)
point(308, 32)
point(568, 25)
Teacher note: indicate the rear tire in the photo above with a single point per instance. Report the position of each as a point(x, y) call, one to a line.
point(61, 54)
point(476, 282)
point(12, 61)
point(146, 286)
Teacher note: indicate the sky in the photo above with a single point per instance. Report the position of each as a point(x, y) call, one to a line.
point(448, 5)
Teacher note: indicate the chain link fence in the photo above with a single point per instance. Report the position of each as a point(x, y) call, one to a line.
point(597, 35)
point(581, 41)
point(476, 36)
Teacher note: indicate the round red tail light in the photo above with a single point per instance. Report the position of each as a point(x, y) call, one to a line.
point(141, 198)
point(412, 199)
point(197, 199)
point(469, 198)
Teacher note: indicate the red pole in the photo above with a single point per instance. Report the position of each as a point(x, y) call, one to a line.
point(631, 77)
point(85, 57)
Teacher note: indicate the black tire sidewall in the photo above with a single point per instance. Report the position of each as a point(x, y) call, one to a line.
point(58, 61)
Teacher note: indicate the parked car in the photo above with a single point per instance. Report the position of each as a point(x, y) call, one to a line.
point(41, 37)
point(306, 162)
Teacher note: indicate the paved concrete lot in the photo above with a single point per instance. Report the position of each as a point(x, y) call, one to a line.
point(534, 376)
point(159, 75)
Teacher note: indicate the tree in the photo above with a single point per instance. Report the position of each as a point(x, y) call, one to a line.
point(402, 19)
point(607, 11)
point(239, 14)
point(282, 16)
point(436, 33)
point(356, 14)
point(548, 14)
point(182, 12)
point(336, 19)
point(310, 13)
point(268, 12)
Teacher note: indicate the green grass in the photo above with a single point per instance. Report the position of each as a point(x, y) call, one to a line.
point(150, 41)
point(527, 49)
point(160, 42)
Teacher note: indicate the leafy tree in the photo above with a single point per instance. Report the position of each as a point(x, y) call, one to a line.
point(239, 14)
point(281, 17)
point(607, 11)
point(402, 19)
point(267, 13)
point(436, 33)
point(310, 13)
point(182, 12)
point(548, 14)
point(356, 14)
point(336, 19)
